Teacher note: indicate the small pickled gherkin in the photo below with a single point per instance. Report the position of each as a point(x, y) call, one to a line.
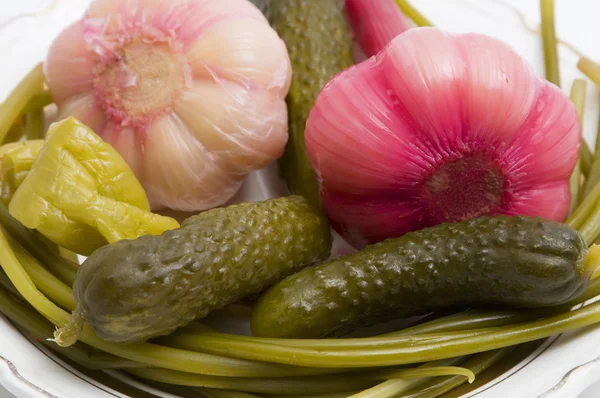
point(133, 290)
point(81, 194)
point(319, 43)
point(504, 261)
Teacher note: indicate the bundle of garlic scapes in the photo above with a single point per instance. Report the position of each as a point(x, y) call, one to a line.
point(190, 92)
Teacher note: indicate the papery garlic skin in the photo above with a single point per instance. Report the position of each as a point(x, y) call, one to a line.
point(438, 128)
point(190, 92)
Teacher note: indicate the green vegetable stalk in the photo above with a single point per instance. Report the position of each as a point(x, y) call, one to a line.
point(34, 124)
point(477, 364)
point(395, 386)
point(553, 75)
point(590, 69)
point(594, 175)
point(28, 89)
point(410, 11)
point(578, 92)
point(550, 42)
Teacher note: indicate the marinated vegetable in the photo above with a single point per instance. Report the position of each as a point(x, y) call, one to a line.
point(190, 92)
point(517, 262)
point(319, 46)
point(436, 128)
point(81, 194)
point(133, 290)
point(16, 159)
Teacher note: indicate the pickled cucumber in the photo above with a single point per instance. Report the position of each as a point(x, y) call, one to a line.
point(132, 290)
point(489, 261)
point(319, 45)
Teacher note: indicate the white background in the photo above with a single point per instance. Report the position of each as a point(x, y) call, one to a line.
point(578, 22)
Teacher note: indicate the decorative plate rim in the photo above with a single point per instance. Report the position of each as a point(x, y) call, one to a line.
point(564, 386)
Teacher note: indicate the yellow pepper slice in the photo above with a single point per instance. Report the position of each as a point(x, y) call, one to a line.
point(81, 194)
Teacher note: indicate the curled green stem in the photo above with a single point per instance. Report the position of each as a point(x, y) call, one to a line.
point(590, 69)
point(439, 386)
point(587, 206)
point(43, 279)
point(64, 269)
point(590, 229)
point(410, 11)
point(578, 93)
point(575, 187)
point(213, 393)
point(586, 158)
point(201, 341)
point(550, 42)
point(371, 355)
point(593, 177)
point(39, 101)
point(290, 386)
point(34, 124)
point(29, 87)
point(397, 385)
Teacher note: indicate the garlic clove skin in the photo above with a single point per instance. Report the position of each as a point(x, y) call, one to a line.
point(426, 72)
point(546, 146)
point(126, 142)
point(192, 179)
point(238, 126)
point(494, 95)
point(348, 110)
point(547, 200)
point(236, 49)
point(70, 66)
point(83, 107)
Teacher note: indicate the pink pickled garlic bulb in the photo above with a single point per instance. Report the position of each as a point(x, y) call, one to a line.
point(190, 92)
point(436, 128)
point(375, 23)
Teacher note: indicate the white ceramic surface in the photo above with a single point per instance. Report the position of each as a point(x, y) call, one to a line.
point(562, 368)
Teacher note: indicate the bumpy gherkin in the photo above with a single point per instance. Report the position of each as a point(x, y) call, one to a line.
point(133, 290)
point(319, 45)
point(489, 261)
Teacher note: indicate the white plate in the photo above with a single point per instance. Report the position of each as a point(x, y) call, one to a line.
point(562, 367)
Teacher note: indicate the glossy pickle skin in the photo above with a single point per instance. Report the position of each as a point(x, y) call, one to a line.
point(489, 261)
point(133, 290)
point(319, 44)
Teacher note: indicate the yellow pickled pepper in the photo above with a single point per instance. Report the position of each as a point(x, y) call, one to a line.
point(81, 194)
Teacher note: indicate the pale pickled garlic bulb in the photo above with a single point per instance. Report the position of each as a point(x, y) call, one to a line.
point(190, 92)
point(436, 128)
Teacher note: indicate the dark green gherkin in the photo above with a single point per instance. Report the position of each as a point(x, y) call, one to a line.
point(319, 45)
point(133, 290)
point(497, 261)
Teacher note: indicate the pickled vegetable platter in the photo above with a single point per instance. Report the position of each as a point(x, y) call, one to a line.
point(153, 299)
